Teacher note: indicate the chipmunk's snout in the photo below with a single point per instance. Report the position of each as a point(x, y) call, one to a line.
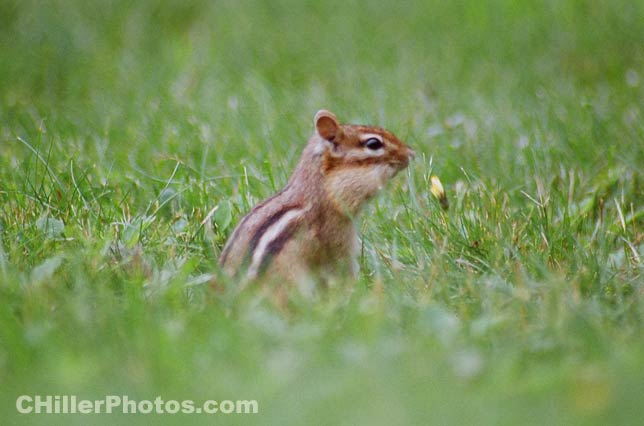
point(408, 154)
point(411, 154)
point(402, 157)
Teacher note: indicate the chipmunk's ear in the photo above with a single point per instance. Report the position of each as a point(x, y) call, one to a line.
point(326, 124)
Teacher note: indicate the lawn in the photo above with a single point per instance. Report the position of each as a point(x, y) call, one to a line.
point(134, 136)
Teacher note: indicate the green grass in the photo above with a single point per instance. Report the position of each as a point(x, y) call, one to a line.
point(123, 125)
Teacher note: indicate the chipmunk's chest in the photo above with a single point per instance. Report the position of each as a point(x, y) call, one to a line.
point(333, 240)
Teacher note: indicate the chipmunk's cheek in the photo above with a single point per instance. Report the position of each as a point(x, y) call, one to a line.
point(351, 188)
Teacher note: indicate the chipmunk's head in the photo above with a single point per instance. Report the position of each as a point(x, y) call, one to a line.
point(357, 160)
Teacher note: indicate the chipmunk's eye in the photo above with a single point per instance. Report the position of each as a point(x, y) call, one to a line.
point(373, 144)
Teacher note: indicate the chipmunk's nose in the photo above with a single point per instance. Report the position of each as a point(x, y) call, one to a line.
point(406, 156)
point(411, 154)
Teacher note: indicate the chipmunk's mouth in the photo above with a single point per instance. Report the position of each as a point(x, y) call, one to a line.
point(394, 169)
point(399, 165)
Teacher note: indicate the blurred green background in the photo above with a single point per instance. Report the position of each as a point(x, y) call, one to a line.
point(135, 134)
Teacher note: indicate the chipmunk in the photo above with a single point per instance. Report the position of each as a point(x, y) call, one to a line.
point(308, 226)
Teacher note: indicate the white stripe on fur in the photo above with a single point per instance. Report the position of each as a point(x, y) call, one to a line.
point(271, 234)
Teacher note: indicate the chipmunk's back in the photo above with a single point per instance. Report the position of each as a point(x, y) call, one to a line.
point(265, 223)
